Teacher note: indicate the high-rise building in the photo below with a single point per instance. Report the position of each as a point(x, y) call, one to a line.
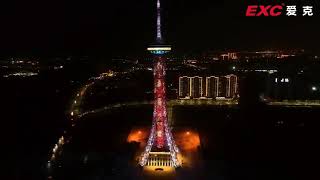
point(212, 86)
point(231, 85)
point(195, 87)
point(191, 87)
point(196, 90)
point(184, 87)
point(222, 87)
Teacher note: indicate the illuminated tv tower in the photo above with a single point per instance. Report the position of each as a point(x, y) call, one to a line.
point(160, 139)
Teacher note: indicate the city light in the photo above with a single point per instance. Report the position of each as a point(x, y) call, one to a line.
point(22, 74)
point(314, 88)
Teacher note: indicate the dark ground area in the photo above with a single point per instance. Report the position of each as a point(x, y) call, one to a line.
point(257, 143)
point(37, 116)
point(34, 115)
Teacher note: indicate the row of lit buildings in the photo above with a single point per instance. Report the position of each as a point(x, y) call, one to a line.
point(269, 54)
point(194, 87)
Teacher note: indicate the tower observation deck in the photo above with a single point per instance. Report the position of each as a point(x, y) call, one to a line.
point(160, 140)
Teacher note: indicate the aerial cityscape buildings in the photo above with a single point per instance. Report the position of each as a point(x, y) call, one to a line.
point(235, 99)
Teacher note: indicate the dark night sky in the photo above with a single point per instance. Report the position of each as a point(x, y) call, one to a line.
point(125, 27)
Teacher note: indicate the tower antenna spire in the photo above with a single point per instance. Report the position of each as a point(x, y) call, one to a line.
point(159, 33)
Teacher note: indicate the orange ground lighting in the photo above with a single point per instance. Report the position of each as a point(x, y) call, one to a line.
point(187, 140)
point(138, 135)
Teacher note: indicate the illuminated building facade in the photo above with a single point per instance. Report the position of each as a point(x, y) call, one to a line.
point(160, 139)
point(196, 90)
point(231, 85)
point(212, 87)
point(222, 86)
point(229, 56)
point(184, 86)
point(192, 87)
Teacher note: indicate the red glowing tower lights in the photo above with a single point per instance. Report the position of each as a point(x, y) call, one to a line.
point(160, 113)
point(160, 138)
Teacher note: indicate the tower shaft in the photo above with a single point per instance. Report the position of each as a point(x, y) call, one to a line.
point(160, 109)
point(160, 138)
